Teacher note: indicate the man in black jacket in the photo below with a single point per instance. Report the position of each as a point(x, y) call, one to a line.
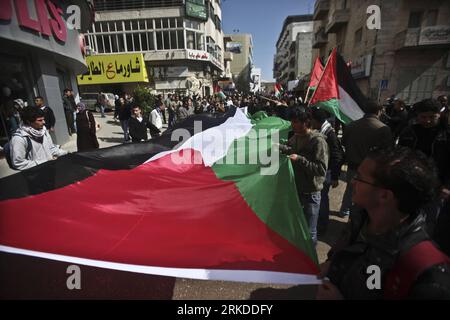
point(137, 125)
point(385, 252)
point(49, 116)
point(336, 157)
point(432, 137)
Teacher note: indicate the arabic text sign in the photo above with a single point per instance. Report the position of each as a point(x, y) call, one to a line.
point(117, 68)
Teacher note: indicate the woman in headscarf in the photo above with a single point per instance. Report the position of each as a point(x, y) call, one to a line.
point(86, 129)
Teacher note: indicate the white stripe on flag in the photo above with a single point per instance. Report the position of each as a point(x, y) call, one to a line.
point(348, 106)
point(215, 142)
point(253, 276)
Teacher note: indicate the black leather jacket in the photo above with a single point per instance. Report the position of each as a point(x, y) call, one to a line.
point(357, 250)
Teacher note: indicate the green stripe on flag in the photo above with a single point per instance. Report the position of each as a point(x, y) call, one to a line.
point(333, 107)
point(273, 198)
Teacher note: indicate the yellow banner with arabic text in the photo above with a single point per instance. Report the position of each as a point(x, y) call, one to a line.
point(115, 68)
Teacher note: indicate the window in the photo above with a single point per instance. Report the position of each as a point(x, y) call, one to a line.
point(432, 18)
point(151, 42)
point(180, 34)
point(415, 19)
point(137, 42)
point(190, 39)
point(159, 41)
point(358, 36)
point(173, 40)
point(142, 25)
point(129, 38)
point(166, 40)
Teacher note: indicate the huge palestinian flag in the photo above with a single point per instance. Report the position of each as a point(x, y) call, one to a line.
point(337, 91)
point(185, 210)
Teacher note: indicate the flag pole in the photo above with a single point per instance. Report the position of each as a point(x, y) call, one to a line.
point(307, 94)
point(321, 76)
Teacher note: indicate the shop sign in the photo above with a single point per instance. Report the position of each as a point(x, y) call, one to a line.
point(116, 68)
point(361, 67)
point(43, 24)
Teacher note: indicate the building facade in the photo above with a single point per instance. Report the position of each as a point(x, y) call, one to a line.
point(294, 49)
point(182, 41)
point(408, 57)
point(41, 55)
point(241, 48)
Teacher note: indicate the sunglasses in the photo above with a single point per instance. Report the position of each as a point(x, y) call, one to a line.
point(357, 178)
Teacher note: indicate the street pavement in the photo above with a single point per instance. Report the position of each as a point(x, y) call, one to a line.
point(111, 134)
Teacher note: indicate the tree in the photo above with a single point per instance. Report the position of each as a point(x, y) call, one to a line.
point(144, 98)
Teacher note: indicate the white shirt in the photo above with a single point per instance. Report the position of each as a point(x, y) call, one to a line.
point(156, 118)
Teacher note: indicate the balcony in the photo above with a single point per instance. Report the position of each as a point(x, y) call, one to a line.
point(321, 9)
point(337, 20)
point(417, 38)
point(320, 39)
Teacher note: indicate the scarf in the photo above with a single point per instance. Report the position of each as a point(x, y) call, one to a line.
point(325, 127)
point(36, 135)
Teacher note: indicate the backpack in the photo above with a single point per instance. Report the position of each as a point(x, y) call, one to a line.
point(7, 151)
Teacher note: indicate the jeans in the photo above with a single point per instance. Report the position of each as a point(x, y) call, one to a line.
point(102, 110)
point(324, 213)
point(124, 125)
point(311, 206)
point(347, 198)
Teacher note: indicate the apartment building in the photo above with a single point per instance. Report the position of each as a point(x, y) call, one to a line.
point(294, 49)
point(408, 57)
point(182, 41)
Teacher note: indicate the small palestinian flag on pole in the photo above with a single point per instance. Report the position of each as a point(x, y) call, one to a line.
point(219, 93)
point(337, 91)
point(278, 90)
point(205, 208)
point(316, 74)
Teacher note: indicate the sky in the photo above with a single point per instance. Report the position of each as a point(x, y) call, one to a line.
point(264, 20)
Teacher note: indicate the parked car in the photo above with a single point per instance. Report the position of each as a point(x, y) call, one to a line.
point(91, 101)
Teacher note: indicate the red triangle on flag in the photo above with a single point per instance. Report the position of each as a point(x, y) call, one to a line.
point(327, 88)
point(316, 73)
